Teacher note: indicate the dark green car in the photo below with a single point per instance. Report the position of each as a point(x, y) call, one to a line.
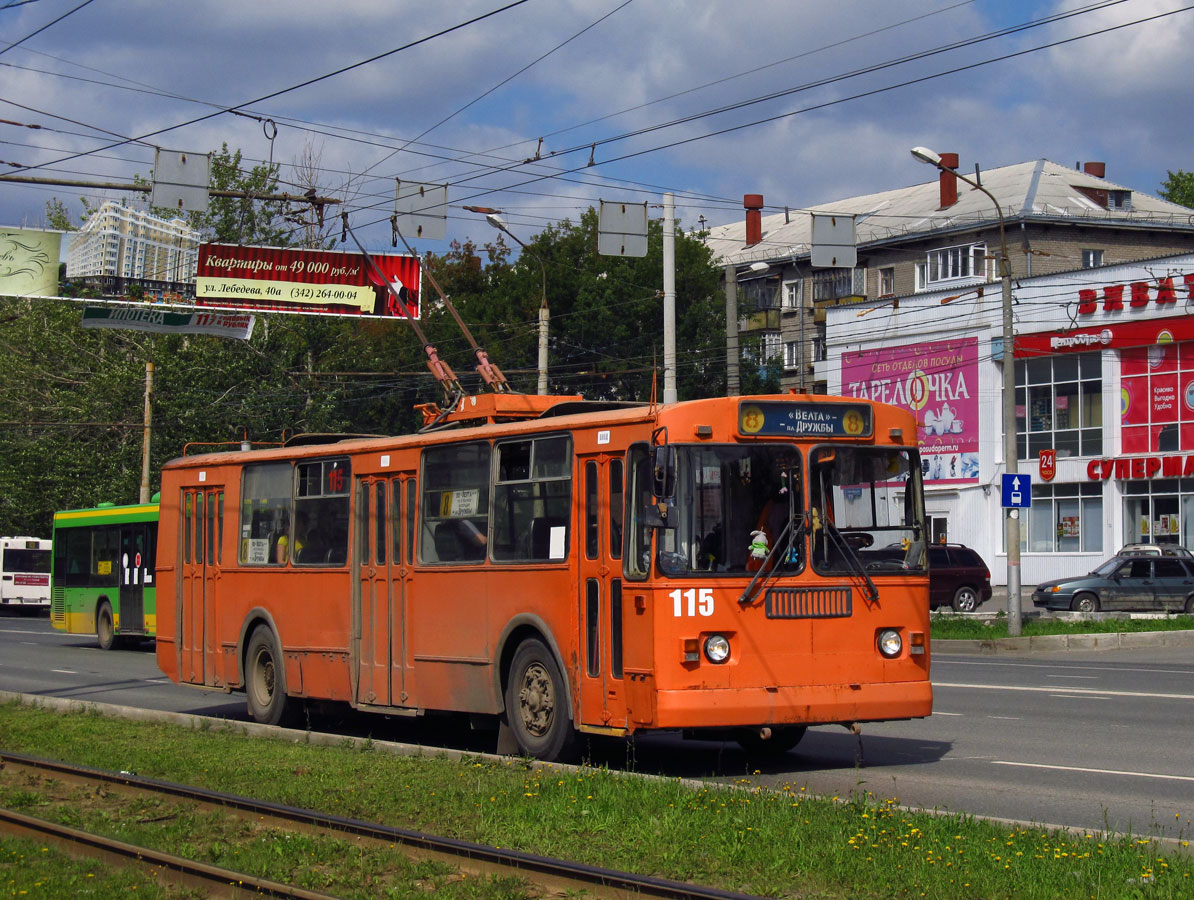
point(1133, 583)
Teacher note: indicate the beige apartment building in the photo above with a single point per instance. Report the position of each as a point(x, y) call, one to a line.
point(119, 246)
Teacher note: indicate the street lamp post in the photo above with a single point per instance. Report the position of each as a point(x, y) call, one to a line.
point(1010, 450)
point(496, 221)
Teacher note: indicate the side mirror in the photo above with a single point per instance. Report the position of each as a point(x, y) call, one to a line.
point(663, 471)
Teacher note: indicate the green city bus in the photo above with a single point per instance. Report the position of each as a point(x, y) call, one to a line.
point(102, 572)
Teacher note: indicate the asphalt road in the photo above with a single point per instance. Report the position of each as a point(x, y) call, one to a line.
point(1094, 740)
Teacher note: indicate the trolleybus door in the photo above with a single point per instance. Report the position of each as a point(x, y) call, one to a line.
point(136, 574)
point(602, 699)
point(382, 559)
point(203, 527)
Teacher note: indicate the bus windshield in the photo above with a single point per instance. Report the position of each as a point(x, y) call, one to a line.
point(865, 511)
point(733, 503)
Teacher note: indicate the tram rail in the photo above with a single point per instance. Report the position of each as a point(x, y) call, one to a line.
point(548, 873)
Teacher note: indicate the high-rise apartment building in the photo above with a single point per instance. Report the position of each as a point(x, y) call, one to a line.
point(118, 246)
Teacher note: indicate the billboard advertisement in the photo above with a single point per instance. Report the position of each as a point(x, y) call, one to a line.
point(29, 262)
point(238, 325)
point(938, 382)
point(277, 279)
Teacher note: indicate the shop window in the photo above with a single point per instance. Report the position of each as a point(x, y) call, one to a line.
point(1064, 518)
point(1158, 398)
point(1059, 405)
point(1159, 512)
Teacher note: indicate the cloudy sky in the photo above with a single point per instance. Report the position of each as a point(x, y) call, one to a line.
point(803, 101)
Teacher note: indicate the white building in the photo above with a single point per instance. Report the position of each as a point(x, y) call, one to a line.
point(129, 245)
point(1102, 294)
point(1104, 386)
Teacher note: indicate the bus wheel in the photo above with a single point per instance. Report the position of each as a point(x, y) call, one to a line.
point(265, 679)
point(783, 738)
point(105, 628)
point(536, 706)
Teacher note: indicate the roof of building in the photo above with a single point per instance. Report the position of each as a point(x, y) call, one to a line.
point(1038, 190)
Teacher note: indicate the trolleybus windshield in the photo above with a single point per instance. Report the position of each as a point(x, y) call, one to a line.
point(731, 503)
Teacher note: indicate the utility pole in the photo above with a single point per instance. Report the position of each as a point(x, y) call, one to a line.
point(148, 431)
point(732, 385)
point(669, 299)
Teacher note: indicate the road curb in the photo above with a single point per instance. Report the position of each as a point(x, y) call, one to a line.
point(1122, 640)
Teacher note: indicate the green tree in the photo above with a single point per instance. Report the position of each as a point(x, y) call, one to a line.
point(239, 220)
point(57, 216)
point(71, 399)
point(606, 314)
point(1179, 188)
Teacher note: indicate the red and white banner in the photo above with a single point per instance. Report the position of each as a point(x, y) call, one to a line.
point(323, 281)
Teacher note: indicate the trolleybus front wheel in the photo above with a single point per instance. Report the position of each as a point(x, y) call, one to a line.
point(105, 627)
point(265, 679)
point(537, 705)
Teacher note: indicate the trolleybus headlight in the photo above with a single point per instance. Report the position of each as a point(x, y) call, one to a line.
point(717, 648)
point(890, 643)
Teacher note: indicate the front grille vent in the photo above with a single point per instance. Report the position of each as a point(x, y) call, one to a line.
point(809, 603)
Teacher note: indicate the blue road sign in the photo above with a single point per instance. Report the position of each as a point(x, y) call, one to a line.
point(1017, 491)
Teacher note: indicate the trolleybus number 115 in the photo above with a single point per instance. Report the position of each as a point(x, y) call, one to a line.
point(699, 602)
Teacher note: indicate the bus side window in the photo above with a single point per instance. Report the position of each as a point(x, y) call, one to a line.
point(454, 503)
point(637, 564)
point(532, 500)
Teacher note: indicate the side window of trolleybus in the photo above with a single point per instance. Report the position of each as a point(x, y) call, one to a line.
point(637, 562)
point(532, 499)
point(454, 510)
point(321, 522)
point(865, 511)
point(265, 537)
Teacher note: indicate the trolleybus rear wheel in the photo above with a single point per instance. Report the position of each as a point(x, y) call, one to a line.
point(265, 679)
point(105, 628)
point(537, 705)
point(783, 738)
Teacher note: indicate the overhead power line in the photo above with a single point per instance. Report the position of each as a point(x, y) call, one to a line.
point(44, 27)
point(294, 87)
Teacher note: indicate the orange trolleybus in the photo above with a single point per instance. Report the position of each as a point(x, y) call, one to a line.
point(738, 567)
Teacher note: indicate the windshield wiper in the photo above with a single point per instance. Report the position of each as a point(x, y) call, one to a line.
point(848, 554)
point(767, 570)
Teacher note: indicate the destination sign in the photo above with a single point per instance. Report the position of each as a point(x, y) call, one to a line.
point(805, 419)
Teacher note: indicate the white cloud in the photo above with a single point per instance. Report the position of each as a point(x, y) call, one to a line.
point(1120, 98)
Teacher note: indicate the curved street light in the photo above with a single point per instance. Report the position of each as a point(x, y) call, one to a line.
point(496, 221)
point(1010, 449)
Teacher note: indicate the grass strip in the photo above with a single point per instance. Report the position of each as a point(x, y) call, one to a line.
point(949, 626)
point(773, 842)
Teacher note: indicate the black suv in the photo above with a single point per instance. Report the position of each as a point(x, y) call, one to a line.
point(958, 577)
